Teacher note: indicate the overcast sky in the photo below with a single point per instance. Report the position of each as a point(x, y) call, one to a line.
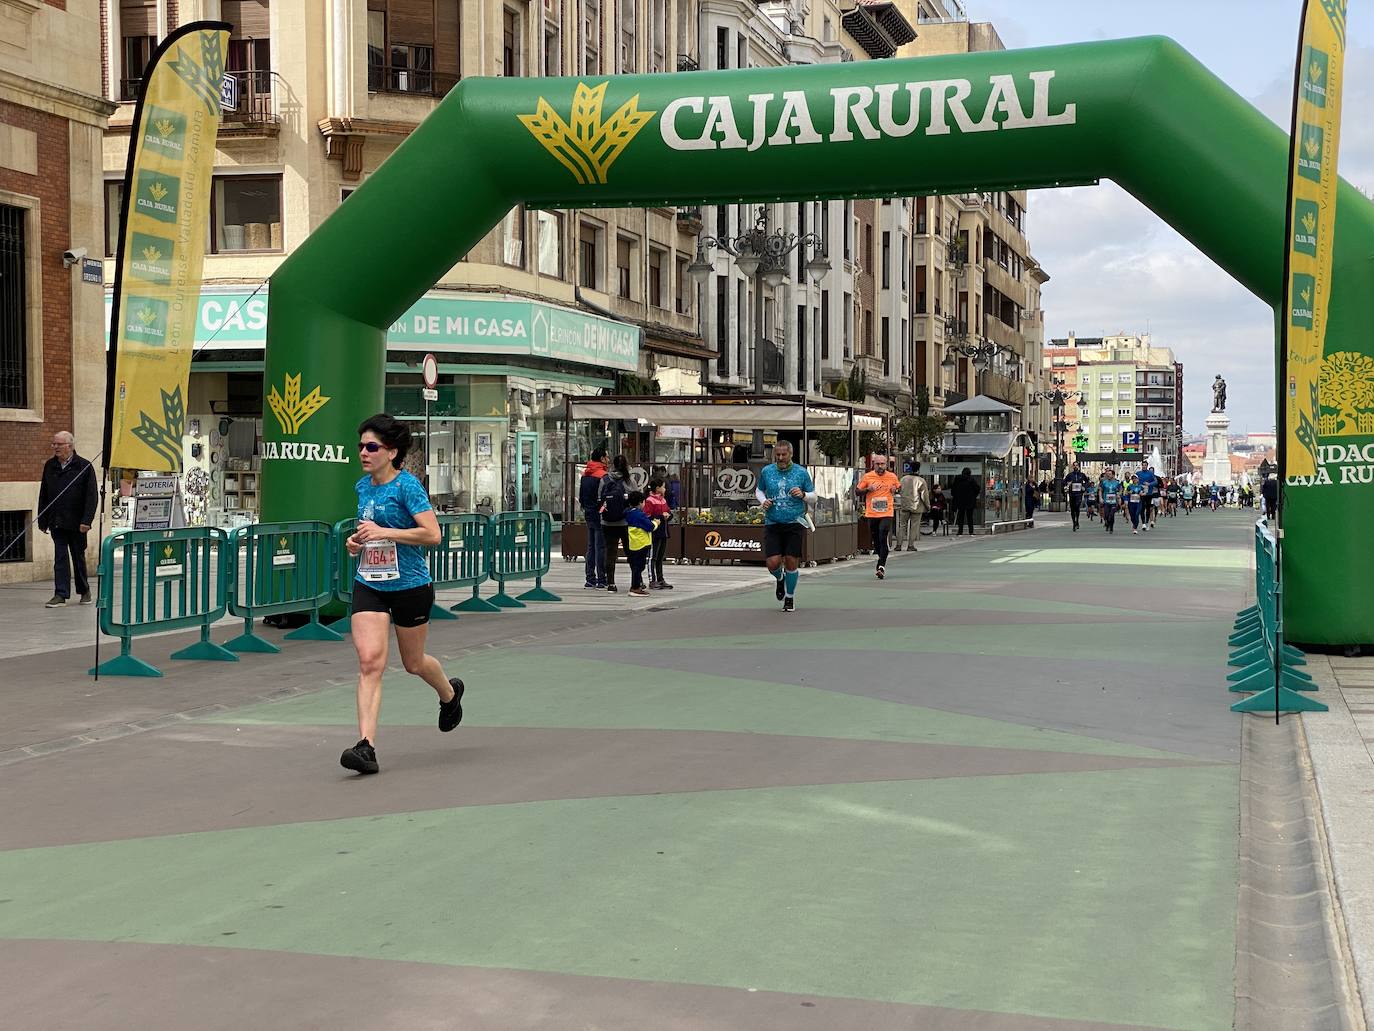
point(1115, 267)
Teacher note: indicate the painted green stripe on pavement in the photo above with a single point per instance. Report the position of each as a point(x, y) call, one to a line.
point(1107, 896)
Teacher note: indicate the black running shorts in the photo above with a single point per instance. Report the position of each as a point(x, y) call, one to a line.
point(407, 608)
point(783, 539)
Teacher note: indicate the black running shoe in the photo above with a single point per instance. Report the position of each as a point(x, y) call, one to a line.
point(882, 572)
point(789, 604)
point(451, 712)
point(361, 758)
point(781, 592)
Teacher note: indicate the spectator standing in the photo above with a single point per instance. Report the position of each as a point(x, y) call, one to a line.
point(612, 495)
point(1032, 495)
point(657, 508)
point(914, 503)
point(938, 505)
point(965, 491)
point(639, 539)
point(67, 501)
point(588, 490)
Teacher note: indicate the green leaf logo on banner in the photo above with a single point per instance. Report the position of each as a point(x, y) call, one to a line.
point(1310, 153)
point(165, 132)
point(203, 76)
point(151, 258)
point(164, 436)
point(1305, 222)
point(1304, 290)
point(146, 321)
point(1315, 65)
point(291, 409)
point(157, 196)
point(588, 146)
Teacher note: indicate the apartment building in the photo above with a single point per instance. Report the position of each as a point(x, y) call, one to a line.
point(1129, 385)
point(326, 90)
point(52, 368)
point(976, 281)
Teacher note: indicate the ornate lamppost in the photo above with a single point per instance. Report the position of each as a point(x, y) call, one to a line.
point(1057, 399)
point(761, 254)
point(958, 341)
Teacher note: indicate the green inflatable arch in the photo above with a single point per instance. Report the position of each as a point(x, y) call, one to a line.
point(1142, 112)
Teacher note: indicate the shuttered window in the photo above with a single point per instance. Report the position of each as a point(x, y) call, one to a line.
point(413, 46)
point(14, 343)
point(249, 18)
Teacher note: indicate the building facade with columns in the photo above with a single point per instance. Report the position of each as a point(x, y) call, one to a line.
point(52, 368)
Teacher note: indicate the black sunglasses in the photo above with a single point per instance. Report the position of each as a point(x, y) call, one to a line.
point(370, 446)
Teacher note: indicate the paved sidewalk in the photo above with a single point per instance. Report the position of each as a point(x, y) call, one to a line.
point(941, 801)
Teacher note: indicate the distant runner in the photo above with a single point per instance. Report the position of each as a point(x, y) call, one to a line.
point(1076, 483)
point(1137, 495)
point(784, 491)
point(879, 489)
point(1149, 496)
point(1111, 498)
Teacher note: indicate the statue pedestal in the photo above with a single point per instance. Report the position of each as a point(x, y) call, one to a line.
point(1216, 465)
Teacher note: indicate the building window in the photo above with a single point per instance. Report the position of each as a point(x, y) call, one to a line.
point(658, 38)
point(1123, 377)
point(512, 44)
point(114, 210)
point(14, 304)
point(887, 347)
point(801, 347)
point(412, 47)
point(742, 59)
point(683, 285)
point(553, 40)
point(848, 325)
point(245, 213)
point(656, 295)
point(905, 268)
point(513, 237)
point(550, 243)
point(921, 216)
point(591, 37)
point(624, 249)
point(249, 59)
point(15, 536)
point(887, 260)
point(1123, 413)
point(588, 271)
point(723, 326)
point(722, 47)
point(628, 35)
point(849, 222)
point(137, 40)
point(825, 325)
point(741, 320)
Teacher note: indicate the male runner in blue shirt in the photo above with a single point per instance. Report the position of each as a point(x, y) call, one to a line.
point(784, 491)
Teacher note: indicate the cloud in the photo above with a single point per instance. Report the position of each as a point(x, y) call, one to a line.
point(1117, 267)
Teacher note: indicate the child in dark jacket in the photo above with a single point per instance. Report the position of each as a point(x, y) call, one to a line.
point(657, 506)
point(641, 531)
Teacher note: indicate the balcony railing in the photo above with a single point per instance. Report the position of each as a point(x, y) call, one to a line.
point(415, 81)
point(257, 102)
point(687, 63)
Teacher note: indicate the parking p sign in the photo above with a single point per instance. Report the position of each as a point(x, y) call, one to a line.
point(1130, 439)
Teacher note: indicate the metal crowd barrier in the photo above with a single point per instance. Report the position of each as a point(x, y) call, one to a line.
point(281, 567)
point(520, 549)
point(345, 565)
point(1267, 664)
point(462, 558)
point(164, 580)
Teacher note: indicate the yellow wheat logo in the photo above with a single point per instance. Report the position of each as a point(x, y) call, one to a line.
point(1314, 72)
point(1306, 295)
point(151, 254)
point(1309, 222)
point(281, 542)
point(147, 316)
point(157, 191)
point(167, 551)
point(588, 147)
point(1312, 147)
point(165, 126)
point(292, 410)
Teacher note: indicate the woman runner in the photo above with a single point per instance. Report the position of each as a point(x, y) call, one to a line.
point(395, 524)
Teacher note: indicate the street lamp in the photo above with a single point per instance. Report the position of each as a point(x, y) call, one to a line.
point(957, 340)
point(1057, 398)
point(761, 255)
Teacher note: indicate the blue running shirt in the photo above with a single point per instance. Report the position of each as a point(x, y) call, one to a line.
point(777, 486)
point(394, 505)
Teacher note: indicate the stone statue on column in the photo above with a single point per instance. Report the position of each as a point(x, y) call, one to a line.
point(1218, 394)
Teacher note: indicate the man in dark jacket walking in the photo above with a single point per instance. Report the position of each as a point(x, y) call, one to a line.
point(588, 490)
point(964, 491)
point(67, 500)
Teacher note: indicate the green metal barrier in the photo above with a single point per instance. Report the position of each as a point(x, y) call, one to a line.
point(345, 565)
point(276, 568)
point(520, 548)
point(462, 558)
point(164, 580)
point(1266, 662)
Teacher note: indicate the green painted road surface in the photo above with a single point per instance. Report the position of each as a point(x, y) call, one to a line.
point(997, 790)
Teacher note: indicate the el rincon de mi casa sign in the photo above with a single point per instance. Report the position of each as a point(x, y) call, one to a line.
point(1141, 112)
point(458, 325)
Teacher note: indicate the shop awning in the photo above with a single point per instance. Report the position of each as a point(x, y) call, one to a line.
point(727, 413)
point(980, 405)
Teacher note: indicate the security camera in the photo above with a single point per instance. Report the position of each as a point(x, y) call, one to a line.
point(71, 257)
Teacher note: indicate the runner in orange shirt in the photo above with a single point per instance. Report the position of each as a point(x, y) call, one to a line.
point(879, 489)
